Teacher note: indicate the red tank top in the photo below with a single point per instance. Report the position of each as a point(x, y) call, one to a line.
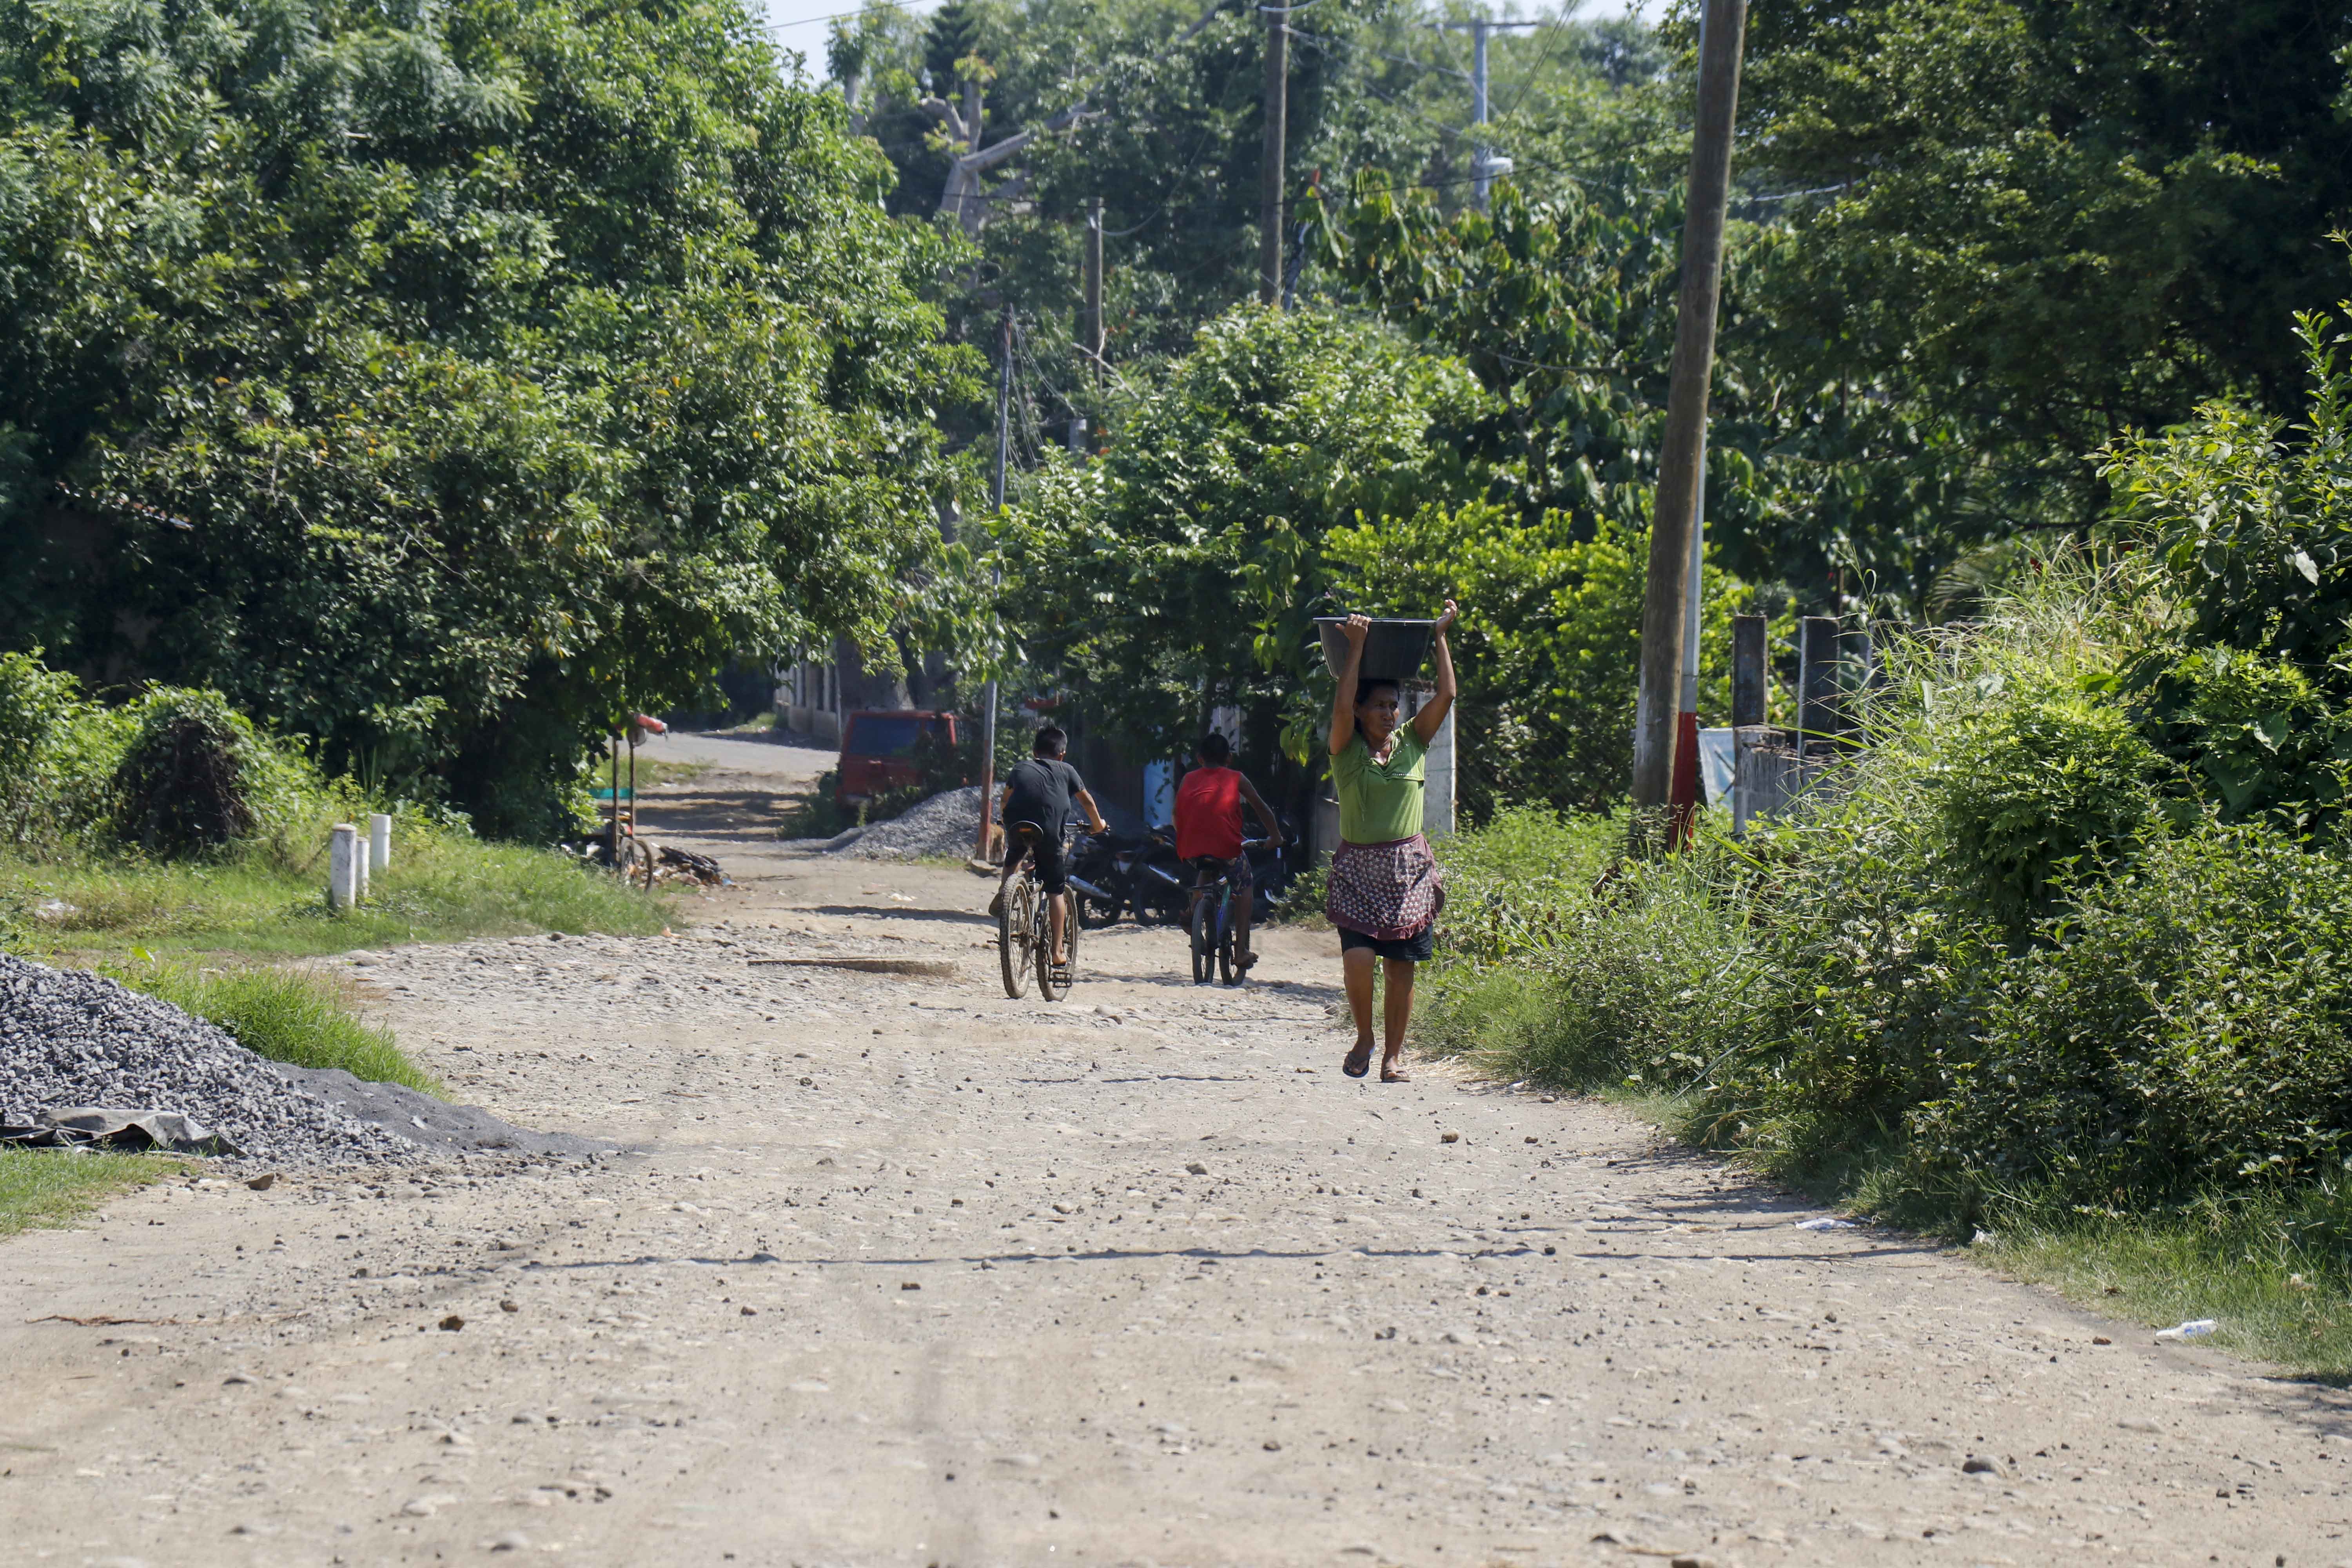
point(1208, 814)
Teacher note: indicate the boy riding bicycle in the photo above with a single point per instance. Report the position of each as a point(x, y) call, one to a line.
point(1039, 792)
point(1209, 827)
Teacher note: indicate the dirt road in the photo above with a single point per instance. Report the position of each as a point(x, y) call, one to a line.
point(895, 1271)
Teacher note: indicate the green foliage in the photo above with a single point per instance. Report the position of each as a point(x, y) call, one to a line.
point(1172, 140)
point(1550, 617)
point(2261, 735)
point(2034, 791)
point(1987, 970)
point(2248, 518)
point(295, 1015)
point(2033, 225)
point(440, 385)
point(2251, 518)
point(1560, 309)
point(36, 704)
point(1184, 571)
point(1509, 883)
point(183, 785)
point(2188, 1023)
point(1564, 307)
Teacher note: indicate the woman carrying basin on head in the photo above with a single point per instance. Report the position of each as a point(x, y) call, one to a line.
point(1384, 886)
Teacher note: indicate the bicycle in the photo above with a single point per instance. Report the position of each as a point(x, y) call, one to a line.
point(1024, 933)
point(1213, 918)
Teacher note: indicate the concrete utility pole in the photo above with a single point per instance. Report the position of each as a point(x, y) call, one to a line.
point(1685, 797)
point(1277, 111)
point(1095, 286)
point(1483, 164)
point(996, 494)
point(1674, 534)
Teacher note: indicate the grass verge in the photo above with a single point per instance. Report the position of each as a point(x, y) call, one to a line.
point(443, 886)
point(653, 772)
point(297, 1016)
point(45, 1188)
point(2251, 1268)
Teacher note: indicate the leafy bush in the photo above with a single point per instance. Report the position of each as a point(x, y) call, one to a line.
point(36, 704)
point(185, 786)
point(2030, 790)
point(2191, 1023)
point(1991, 970)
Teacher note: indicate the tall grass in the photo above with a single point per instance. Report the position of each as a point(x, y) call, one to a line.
point(297, 1016)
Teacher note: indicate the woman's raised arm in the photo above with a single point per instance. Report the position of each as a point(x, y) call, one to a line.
point(1343, 695)
point(1433, 713)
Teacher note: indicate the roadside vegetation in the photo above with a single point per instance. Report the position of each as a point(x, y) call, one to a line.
point(304, 1016)
point(2059, 965)
point(176, 846)
point(174, 825)
point(41, 1189)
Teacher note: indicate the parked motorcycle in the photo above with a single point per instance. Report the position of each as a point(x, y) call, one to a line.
point(1115, 875)
point(1102, 878)
point(1161, 891)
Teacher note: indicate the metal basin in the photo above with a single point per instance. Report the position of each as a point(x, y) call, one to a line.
point(1394, 650)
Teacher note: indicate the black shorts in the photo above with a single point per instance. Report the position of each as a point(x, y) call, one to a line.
point(1045, 853)
point(1411, 950)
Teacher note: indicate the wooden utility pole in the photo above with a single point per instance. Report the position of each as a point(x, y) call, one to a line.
point(1095, 287)
point(1278, 110)
point(996, 494)
point(1674, 534)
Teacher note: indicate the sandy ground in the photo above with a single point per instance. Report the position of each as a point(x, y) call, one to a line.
point(901, 1271)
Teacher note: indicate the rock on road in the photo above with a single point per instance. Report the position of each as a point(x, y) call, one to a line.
point(895, 1271)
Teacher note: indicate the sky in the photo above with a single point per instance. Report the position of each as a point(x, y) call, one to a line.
point(803, 24)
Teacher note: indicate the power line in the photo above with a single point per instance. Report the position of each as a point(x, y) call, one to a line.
point(839, 16)
point(1556, 26)
point(1316, 42)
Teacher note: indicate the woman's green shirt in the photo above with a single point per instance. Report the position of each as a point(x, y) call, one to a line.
point(1380, 801)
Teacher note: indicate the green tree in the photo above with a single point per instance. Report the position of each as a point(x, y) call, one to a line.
point(2042, 222)
point(441, 382)
point(1550, 619)
point(1182, 571)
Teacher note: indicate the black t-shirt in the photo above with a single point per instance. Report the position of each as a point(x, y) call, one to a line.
point(1041, 794)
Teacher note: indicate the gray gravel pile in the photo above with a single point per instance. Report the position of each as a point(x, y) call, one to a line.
point(69, 1037)
point(947, 824)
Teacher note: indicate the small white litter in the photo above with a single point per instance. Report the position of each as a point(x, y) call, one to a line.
point(1827, 1222)
point(2194, 1328)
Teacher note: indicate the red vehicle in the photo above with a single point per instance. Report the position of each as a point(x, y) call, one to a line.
point(878, 750)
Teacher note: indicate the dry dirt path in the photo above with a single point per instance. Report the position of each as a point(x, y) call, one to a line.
point(901, 1272)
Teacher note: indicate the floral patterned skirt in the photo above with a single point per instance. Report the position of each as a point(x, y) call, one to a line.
point(1389, 892)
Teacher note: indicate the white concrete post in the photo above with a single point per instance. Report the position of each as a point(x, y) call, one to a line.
point(379, 841)
point(1438, 795)
point(343, 866)
point(359, 856)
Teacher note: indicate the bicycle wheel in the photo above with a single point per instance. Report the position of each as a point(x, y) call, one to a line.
point(636, 863)
point(1013, 936)
point(1203, 940)
point(1225, 970)
point(1042, 932)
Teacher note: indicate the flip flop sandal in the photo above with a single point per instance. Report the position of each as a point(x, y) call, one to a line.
point(1359, 1062)
point(1242, 964)
point(1395, 1078)
point(996, 904)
